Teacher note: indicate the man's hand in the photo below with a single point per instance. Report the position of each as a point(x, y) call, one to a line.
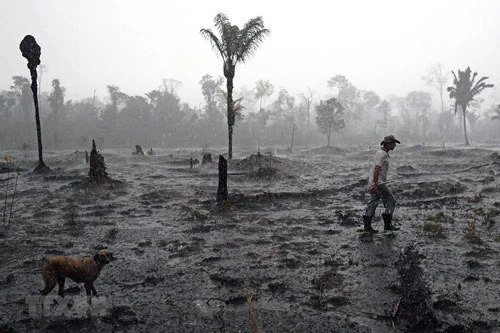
point(374, 188)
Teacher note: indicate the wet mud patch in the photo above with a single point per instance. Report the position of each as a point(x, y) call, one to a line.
point(307, 198)
point(156, 197)
point(120, 316)
point(201, 229)
point(191, 213)
point(180, 249)
point(323, 286)
point(415, 308)
point(289, 263)
point(447, 303)
point(277, 287)
point(482, 253)
point(107, 183)
point(227, 281)
point(424, 190)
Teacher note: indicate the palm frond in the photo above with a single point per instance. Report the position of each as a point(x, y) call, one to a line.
point(481, 81)
point(251, 36)
point(214, 41)
point(478, 89)
point(220, 22)
point(250, 45)
point(238, 108)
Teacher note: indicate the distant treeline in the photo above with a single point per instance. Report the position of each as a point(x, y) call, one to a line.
point(266, 118)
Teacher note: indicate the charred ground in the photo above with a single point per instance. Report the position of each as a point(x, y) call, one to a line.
point(287, 236)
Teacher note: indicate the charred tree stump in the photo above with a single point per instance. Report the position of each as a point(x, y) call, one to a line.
point(222, 189)
point(138, 150)
point(207, 158)
point(97, 172)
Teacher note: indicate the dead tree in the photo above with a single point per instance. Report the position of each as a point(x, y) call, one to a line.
point(31, 51)
point(222, 189)
point(97, 171)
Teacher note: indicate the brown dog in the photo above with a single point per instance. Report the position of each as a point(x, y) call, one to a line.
point(81, 270)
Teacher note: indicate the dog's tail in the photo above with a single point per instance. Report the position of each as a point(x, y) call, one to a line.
point(49, 278)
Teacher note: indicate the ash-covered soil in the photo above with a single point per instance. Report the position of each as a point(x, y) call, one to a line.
point(287, 237)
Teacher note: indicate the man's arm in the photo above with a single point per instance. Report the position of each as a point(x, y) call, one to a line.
point(376, 171)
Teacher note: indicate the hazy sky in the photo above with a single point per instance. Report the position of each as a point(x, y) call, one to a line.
point(385, 45)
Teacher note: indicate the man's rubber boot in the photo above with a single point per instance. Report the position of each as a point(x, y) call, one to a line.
point(367, 222)
point(388, 226)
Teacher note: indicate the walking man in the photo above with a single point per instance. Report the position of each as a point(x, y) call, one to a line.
point(378, 187)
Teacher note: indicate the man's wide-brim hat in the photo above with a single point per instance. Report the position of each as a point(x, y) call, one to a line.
point(389, 139)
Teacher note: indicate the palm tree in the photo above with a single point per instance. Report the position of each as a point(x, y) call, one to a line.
point(234, 46)
point(464, 90)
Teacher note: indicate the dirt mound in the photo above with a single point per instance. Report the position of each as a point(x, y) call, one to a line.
point(268, 166)
point(257, 161)
point(266, 173)
point(459, 153)
point(405, 169)
point(415, 148)
point(426, 190)
point(327, 150)
point(495, 157)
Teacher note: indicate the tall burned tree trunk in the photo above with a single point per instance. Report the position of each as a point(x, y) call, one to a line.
point(464, 112)
point(31, 51)
point(230, 141)
point(229, 71)
point(222, 189)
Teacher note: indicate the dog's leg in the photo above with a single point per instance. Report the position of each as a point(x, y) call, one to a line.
point(93, 290)
point(49, 285)
point(88, 288)
point(60, 280)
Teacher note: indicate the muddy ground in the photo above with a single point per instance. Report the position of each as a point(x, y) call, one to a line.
point(288, 236)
